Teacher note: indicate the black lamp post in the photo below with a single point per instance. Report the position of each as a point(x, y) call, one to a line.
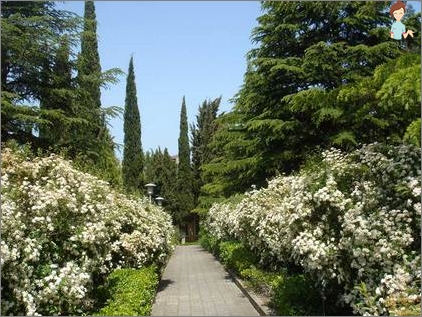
point(150, 189)
point(159, 200)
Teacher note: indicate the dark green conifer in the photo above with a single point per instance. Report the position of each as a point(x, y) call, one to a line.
point(292, 103)
point(59, 93)
point(202, 133)
point(161, 169)
point(184, 171)
point(89, 63)
point(133, 163)
point(93, 139)
point(27, 79)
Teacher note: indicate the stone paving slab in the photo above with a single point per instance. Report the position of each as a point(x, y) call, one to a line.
point(194, 283)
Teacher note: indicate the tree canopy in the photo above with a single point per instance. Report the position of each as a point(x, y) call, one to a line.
point(324, 74)
point(36, 39)
point(43, 102)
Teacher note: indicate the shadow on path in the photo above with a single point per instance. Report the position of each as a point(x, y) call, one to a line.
point(164, 283)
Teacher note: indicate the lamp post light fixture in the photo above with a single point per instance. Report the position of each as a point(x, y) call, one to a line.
point(150, 189)
point(159, 200)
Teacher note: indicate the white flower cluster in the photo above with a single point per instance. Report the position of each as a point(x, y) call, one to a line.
point(353, 218)
point(61, 228)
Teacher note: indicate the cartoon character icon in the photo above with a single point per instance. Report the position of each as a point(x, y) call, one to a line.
point(398, 29)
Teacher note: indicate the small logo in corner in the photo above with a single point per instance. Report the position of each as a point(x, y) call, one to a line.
point(398, 29)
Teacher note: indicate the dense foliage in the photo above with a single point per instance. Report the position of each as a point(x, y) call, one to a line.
point(31, 47)
point(131, 292)
point(202, 132)
point(63, 231)
point(57, 93)
point(50, 96)
point(352, 221)
point(94, 138)
point(324, 74)
point(132, 165)
point(161, 169)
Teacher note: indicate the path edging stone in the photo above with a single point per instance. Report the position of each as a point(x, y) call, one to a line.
point(254, 299)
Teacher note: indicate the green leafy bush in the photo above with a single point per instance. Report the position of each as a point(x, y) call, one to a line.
point(260, 280)
point(209, 242)
point(236, 256)
point(413, 133)
point(132, 292)
point(290, 294)
point(295, 296)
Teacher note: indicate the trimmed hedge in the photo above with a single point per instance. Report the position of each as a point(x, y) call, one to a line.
point(131, 292)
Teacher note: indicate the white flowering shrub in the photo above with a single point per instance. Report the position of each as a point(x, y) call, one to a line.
point(351, 220)
point(62, 229)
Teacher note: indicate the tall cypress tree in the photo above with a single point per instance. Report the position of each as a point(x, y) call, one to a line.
point(183, 141)
point(184, 172)
point(133, 162)
point(202, 133)
point(94, 140)
point(89, 63)
point(89, 72)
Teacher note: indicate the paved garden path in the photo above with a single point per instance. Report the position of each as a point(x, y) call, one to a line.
point(194, 283)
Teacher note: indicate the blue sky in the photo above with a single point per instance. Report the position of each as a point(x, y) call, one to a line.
point(187, 48)
point(195, 49)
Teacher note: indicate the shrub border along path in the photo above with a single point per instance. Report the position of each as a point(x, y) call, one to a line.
point(130, 292)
